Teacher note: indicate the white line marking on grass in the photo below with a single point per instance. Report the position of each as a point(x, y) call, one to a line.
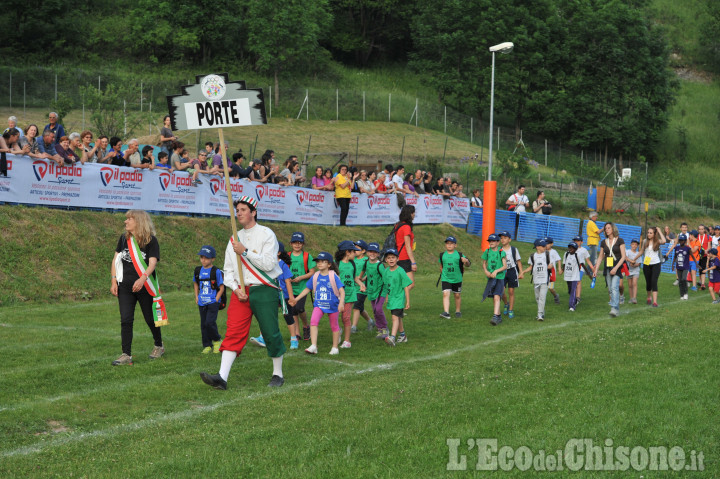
point(190, 413)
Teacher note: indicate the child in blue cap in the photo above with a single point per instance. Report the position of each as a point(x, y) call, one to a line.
point(209, 291)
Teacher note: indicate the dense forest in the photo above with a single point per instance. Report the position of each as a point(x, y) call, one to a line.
point(590, 73)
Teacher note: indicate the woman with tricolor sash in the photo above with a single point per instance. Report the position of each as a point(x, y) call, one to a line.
point(134, 280)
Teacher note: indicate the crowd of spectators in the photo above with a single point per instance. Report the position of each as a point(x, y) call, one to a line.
point(53, 144)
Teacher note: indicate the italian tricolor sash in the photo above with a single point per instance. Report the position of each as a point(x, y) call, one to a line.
point(151, 285)
point(263, 277)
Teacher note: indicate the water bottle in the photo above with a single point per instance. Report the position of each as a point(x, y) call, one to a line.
point(592, 283)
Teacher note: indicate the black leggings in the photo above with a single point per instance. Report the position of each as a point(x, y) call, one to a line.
point(652, 273)
point(127, 300)
point(344, 204)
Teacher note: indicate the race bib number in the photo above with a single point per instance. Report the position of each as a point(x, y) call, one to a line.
point(646, 261)
point(609, 262)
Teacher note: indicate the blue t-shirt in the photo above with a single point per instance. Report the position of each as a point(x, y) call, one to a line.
point(286, 274)
point(682, 256)
point(207, 295)
point(714, 274)
point(325, 298)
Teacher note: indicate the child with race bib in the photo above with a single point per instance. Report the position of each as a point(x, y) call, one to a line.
point(713, 271)
point(208, 293)
point(540, 266)
point(329, 299)
point(376, 288)
point(494, 264)
point(350, 277)
point(570, 269)
point(359, 306)
point(452, 264)
point(398, 283)
point(302, 267)
point(633, 257)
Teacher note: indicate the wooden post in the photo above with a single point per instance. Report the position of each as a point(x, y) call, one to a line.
point(230, 204)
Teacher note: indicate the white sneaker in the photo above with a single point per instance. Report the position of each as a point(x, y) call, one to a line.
point(312, 349)
point(572, 309)
point(334, 351)
point(685, 296)
point(346, 345)
point(675, 283)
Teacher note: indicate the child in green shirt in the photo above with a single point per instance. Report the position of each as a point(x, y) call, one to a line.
point(302, 267)
point(398, 283)
point(494, 264)
point(359, 307)
point(350, 277)
point(452, 265)
point(376, 288)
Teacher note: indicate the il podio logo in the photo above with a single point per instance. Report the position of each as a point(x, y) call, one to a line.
point(272, 193)
point(431, 201)
point(164, 179)
point(311, 199)
point(379, 200)
point(64, 174)
point(127, 179)
point(217, 186)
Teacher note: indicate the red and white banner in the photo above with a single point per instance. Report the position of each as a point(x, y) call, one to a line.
point(92, 185)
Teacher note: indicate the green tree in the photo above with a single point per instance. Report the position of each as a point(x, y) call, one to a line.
point(710, 39)
point(108, 113)
point(284, 36)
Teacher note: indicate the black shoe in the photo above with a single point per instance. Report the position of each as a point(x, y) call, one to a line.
point(276, 381)
point(214, 380)
point(496, 320)
point(306, 333)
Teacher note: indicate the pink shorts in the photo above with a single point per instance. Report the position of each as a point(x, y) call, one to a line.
point(317, 315)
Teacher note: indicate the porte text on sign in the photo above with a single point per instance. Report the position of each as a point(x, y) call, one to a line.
point(218, 114)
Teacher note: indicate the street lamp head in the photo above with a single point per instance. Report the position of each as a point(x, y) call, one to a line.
point(502, 47)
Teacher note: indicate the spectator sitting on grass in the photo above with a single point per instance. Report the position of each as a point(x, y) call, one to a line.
point(55, 127)
point(29, 142)
point(9, 142)
point(46, 148)
point(132, 155)
point(12, 123)
point(66, 153)
point(147, 160)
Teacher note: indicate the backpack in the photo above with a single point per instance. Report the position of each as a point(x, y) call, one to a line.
point(306, 259)
point(332, 276)
point(390, 242)
point(213, 284)
point(513, 253)
point(547, 263)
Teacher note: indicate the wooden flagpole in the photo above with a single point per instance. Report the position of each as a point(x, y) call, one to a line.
point(230, 204)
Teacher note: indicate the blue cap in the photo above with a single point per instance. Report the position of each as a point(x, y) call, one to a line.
point(573, 245)
point(493, 238)
point(207, 251)
point(297, 237)
point(504, 233)
point(281, 247)
point(694, 233)
point(548, 240)
point(539, 242)
point(577, 238)
point(717, 227)
point(682, 237)
point(391, 251)
point(451, 239)
point(635, 240)
point(324, 256)
point(347, 246)
point(374, 247)
point(713, 251)
point(361, 244)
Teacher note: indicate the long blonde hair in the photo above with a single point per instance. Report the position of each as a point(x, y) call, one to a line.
point(656, 238)
point(144, 227)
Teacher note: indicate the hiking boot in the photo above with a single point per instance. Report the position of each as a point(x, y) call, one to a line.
point(259, 341)
point(276, 381)
point(207, 350)
point(370, 325)
point(157, 352)
point(216, 346)
point(214, 380)
point(123, 360)
point(445, 315)
point(390, 340)
point(306, 333)
point(402, 338)
point(496, 319)
point(458, 314)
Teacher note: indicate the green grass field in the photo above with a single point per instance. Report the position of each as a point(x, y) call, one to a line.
point(647, 378)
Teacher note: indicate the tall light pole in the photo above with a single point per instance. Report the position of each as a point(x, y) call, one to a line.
point(490, 187)
point(502, 48)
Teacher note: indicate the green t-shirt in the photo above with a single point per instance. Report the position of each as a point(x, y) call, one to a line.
point(297, 267)
point(374, 280)
point(494, 261)
point(396, 281)
point(450, 263)
point(360, 268)
point(347, 275)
